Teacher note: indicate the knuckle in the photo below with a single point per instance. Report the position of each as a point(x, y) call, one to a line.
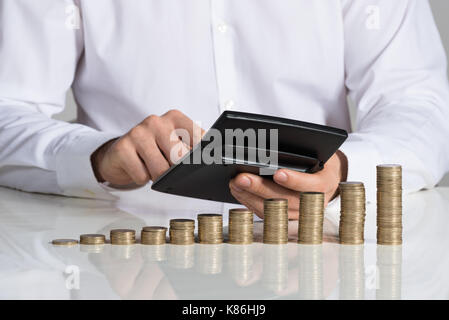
point(137, 132)
point(174, 113)
point(120, 145)
point(121, 149)
point(152, 121)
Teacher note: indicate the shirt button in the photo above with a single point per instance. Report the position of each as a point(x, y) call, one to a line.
point(222, 27)
point(228, 105)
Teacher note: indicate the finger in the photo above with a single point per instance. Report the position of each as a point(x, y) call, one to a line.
point(169, 143)
point(154, 160)
point(181, 121)
point(261, 187)
point(249, 200)
point(298, 181)
point(134, 167)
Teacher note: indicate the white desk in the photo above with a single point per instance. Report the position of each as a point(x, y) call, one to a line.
point(30, 267)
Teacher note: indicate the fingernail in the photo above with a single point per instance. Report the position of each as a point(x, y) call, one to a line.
point(244, 182)
point(281, 176)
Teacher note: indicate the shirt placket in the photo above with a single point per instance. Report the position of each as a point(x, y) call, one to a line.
point(223, 34)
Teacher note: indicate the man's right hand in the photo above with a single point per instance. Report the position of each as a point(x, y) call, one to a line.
point(146, 151)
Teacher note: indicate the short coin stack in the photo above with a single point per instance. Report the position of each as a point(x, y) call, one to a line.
point(123, 236)
point(389, 204)
point(182, 231)
point(352, 214)
point(241, 226)
point(64, 242)
point(275, 225)
point(210, 228)
point(92, 239)
point(153, 235)
point(311, 216)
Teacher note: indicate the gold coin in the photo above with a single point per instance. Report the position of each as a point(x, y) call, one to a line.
point(311, 217)
point(352, 212)
point(92, 239)
point(389, 204)
point(275, 225)
point(64, 242)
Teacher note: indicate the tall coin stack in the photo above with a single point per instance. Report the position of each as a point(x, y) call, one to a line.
point(210, 228)
point(182, 231)
point(275, 225)
point(92, 239)
point(241, 226)
point(352, 217)
point(153, 235)
point(311, 216)
point(123, 236)
point(389, 204)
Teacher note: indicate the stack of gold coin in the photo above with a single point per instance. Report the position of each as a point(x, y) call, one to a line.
point(64, 242)
point(123, 236)
point(311, 216)
point(389, 204)
point(275, 225)
point(92, 239)
point(241, 226)
point(210, 228)
point(182, 231)
point(153, 235)
point(352, 214)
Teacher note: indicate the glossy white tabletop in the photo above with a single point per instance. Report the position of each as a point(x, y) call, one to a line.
point(30, 267)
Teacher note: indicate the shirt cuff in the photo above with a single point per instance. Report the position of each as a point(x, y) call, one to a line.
point(362, 161)
point(74, 169)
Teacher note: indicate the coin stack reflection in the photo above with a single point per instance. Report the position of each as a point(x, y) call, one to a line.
point(123, 236)
point(182, 231)
point(352, 214)
point(311, 216)
point(389, 266)
point(154, 235)
point(240, 263)
point(275, 267)
point(210, 228)
point(310, 280)
point(209, 259)
point(241, 226)
point(352, 272)
point(154, 253)
point(275, 225)
point(389, 204)
point(123, 252)
point(181, 257)
point(92, 248)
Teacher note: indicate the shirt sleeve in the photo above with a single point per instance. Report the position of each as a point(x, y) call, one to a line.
point(396, 75)
point(39, 50)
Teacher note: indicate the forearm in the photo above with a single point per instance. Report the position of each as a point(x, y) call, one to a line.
point(55, 154)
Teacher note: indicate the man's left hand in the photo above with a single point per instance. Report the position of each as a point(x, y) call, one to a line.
point(251, 190)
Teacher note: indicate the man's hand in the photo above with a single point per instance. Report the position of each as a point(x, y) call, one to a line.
point(250, 190)
point(146, 151)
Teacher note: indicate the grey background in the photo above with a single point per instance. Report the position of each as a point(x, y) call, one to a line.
point(441, 12)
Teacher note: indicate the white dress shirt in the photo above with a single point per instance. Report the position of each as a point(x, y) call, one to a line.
point(126, 60)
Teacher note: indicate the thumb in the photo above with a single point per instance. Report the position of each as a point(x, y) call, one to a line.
point(298, 181)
